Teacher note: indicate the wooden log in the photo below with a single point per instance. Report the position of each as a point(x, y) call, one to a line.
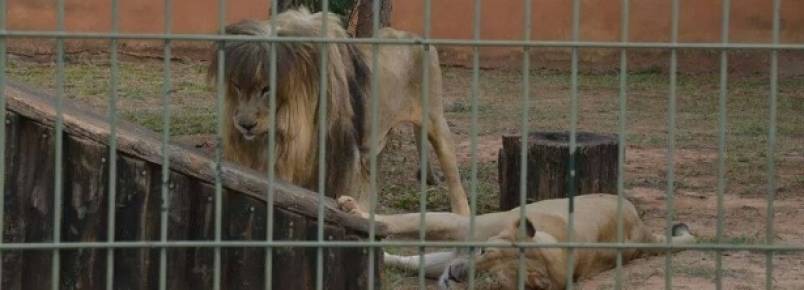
point(365, 15)
point(548, 166)
point(332, 276)
point(84, 216)
point(179, 221)
point(29, 195)
point(34, 187)
point(141, 143)
point(14, 220)
point(290, 268)
point(137, 210)
point(358, 261)
point(243, 220)
point(202, 223)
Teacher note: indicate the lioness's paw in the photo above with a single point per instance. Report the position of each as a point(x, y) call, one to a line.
point(349, 204)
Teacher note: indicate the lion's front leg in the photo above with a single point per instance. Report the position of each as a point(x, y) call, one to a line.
point(437, 225)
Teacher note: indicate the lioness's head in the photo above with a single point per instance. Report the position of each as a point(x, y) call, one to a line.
point(503, 263)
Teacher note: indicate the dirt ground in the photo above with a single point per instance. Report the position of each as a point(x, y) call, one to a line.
point(744, 223)
point(499, 109)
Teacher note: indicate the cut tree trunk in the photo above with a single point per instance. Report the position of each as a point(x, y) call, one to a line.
point(356, 15)
point(548, 166)
point(365, 12)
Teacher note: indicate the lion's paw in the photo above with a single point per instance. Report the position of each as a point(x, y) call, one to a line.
point(349, 205)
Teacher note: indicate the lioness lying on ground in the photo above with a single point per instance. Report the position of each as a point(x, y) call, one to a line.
point(595, 221)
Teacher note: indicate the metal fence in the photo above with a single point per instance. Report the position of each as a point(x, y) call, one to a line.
point(575, 44)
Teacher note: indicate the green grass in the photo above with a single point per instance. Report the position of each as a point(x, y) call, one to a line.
point(733, 240)
point(140, 89)
point(499, 107)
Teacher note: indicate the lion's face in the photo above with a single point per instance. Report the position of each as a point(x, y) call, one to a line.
point(250, 116)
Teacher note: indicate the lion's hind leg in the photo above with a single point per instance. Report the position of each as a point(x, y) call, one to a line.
point(431, 177)
point(441, 139)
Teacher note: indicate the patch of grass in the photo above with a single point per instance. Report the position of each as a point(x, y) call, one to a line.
point(139, 89)
point(733, 240)
point(699, 271)
point(465, 107)
point(181, 123)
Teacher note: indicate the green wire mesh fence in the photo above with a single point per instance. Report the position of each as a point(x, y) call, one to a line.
point(321, 243)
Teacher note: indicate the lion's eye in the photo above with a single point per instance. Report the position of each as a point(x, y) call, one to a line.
point(265, 90)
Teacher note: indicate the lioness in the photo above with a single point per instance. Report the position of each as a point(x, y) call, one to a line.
point(546, 222)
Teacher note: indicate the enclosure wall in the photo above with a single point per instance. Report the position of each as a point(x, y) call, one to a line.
point(750, 22)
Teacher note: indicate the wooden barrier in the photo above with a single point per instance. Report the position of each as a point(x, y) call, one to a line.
point(29, 212)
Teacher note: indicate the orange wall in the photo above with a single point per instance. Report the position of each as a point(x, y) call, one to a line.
point(138, 16)
point(500, 19)
point(700, 20)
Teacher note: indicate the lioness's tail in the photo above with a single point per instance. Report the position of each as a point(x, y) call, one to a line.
point(680, 235)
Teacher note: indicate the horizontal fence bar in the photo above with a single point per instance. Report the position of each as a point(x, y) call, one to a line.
point(389, 243)
point(412, 41)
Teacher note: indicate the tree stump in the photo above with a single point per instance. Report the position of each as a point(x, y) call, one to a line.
point(548, 166)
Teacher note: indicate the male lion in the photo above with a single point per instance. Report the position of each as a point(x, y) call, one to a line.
point(348, 97)
point(546, 222)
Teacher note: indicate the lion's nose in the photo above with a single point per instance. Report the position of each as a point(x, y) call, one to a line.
point(248, 126)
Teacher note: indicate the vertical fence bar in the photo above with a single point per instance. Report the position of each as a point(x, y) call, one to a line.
point(473, 140)
point(167, 88)
point(774, 82)
point(58, 169)
point(373, 138)
point(112, 198)
point(721, 154)
point(220, 93)
point(322, 143)
point(671, 145)
point(576, 15)
point(2, 130)
point(623, 97)
point(269, 207)
point(523, 150)
point(423, 155)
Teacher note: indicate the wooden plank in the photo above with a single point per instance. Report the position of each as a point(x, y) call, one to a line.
point(290, 267)
point(331, 279)
point(244, 219)
point(334, 278)
point(14, 231)
point(179, 229)
point(137, 219)
point(84, 215)
point(33, 185)
point(202, 222)
point(145, 144)
point(191, 216)
point(357, 258)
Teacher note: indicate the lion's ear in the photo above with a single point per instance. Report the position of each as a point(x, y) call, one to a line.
point(530, 230)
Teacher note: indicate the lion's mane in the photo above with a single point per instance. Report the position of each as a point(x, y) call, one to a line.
point(297, 98)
